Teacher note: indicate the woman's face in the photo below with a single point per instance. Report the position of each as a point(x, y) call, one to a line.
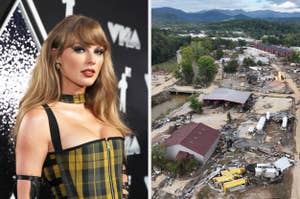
point(80, 67)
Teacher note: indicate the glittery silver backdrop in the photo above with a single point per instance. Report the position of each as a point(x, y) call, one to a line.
point(18, 51)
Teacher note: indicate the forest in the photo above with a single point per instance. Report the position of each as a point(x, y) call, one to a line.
point(165, 44)
point(281, 32)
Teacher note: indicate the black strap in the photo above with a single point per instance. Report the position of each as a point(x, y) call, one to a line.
point(25, 177)
point(35, 184)
point(55, 137)
point(54, 130)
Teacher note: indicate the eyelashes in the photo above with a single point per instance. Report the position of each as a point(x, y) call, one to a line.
point(99, 51)
point(80, 49)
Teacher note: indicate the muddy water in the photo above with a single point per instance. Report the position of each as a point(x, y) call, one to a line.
point(165, 107)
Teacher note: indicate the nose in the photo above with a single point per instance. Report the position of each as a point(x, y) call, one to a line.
point(91, 58)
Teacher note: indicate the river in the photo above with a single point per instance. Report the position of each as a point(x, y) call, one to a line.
point(165, 107)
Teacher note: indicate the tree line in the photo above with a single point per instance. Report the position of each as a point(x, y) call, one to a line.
point(281, 32)
point(165, 45)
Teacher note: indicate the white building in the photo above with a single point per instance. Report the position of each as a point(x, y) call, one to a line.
point(198, 140)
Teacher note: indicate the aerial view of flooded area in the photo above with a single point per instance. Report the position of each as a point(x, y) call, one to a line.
point(225, 99)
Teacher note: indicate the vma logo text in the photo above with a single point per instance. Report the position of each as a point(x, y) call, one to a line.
point(125, 35)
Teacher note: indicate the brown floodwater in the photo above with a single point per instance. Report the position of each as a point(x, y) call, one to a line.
point(165, 107)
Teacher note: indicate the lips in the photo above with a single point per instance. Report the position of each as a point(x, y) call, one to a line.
point(88, 72)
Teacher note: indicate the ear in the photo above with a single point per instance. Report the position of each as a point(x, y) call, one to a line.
point(54, 55)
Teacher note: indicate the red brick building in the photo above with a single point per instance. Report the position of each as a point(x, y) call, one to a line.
point(277, 50)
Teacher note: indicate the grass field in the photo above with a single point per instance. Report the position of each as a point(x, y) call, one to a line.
point(168, 66)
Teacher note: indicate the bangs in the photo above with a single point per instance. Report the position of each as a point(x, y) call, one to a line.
point(87, 33)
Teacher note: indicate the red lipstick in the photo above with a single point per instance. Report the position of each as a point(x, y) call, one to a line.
point(88, 72)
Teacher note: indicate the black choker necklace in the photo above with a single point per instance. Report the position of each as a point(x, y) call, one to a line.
point(73, 99)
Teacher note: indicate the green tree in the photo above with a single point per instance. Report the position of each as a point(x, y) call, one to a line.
point(259, 63)
point(231, 66)
point(187, 56)
point(207, 44)
point(294, 57)
point(231, 44)
point(207, 70)
point(271, 40)
point(186, 165)
point(171, 166)
point(159, 156)
point(195, 104)
point(248, 62)
point(177, 73)
point(165, 45)
point(198, 49)
point(219, 53)
point(242, 42)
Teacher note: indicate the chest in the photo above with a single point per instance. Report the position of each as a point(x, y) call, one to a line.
point(77, 127)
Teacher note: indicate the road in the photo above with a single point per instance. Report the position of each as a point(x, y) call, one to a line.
point(296, 170)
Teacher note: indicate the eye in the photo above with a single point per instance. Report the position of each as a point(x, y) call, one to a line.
point(99, 51)
point(78, 49)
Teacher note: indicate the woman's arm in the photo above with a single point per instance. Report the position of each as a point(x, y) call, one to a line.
point(33, 139)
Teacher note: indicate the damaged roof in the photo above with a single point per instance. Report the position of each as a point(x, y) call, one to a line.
point(226, 94)
point(196, 137)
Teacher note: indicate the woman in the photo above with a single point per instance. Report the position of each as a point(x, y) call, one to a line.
point(68, 126)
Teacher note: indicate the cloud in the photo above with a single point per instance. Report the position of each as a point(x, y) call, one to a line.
point(286, 6)
point(197, 5)
point(297, 2)
point(248, 5)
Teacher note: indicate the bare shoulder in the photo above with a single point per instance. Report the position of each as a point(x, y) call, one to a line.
point(32, 142)
point(111, 131)
point(34, 125)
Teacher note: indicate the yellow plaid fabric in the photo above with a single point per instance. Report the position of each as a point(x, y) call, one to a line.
point(95, 169)
point(75, 99)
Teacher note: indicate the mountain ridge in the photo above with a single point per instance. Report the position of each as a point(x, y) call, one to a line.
point(171, 15)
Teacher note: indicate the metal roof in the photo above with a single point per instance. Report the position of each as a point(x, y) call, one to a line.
point(225, 94)
point(196, 137)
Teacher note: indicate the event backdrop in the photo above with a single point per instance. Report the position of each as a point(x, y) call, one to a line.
point(24, 25)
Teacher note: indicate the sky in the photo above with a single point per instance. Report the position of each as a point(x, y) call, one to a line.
point(247, 5)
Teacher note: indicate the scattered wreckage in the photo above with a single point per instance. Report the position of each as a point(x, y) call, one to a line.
point(234, 179)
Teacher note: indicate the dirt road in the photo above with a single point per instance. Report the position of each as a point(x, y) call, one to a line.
point(163, 85)
point(296, 171)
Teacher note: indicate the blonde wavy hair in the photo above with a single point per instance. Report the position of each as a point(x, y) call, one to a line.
point(45, 84)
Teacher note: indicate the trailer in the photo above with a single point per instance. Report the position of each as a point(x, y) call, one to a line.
point(224, 178)
point(261, 123)
point(235, 184)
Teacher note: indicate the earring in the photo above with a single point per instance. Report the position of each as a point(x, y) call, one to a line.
point(57, 66)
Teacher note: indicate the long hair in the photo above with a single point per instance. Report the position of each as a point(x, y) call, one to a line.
point(45, 84)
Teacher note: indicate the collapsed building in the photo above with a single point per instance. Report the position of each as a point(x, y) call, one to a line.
point(228, 96)
point(196, 139)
